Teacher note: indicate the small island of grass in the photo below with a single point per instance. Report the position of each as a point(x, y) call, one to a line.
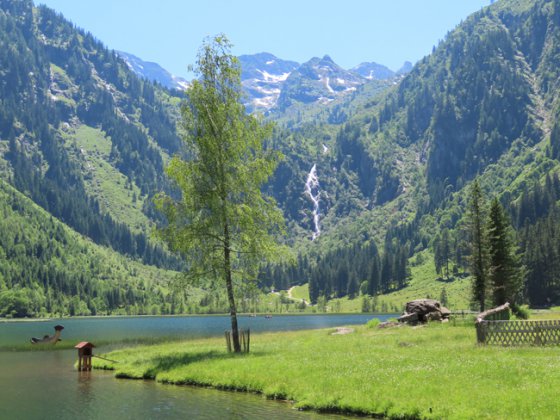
point(437, 371)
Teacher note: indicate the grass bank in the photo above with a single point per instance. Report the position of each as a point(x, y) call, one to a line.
point(431, 372)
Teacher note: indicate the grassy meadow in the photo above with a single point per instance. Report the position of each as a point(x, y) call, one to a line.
point(437, 371)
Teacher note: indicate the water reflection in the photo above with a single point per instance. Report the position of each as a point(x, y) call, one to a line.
point(151, 328)
point(46, 385)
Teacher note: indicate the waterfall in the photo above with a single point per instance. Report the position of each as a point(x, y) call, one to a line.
point(312, 190)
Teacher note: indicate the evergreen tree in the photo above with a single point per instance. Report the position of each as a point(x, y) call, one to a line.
point(505, 271)
point(437, 254)
point(478, 246)
point(445, 251)
point(443, 299)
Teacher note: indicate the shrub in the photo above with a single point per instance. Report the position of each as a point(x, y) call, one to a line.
point(373, 323)
point(521, 311)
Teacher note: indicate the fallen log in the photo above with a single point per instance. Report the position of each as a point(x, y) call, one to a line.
point(411, 318)
point(480, 317)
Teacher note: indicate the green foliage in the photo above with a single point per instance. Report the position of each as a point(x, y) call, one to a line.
point(505, 271)
point(478, 241)
point(222, 224)
point(17, 303)
point(521, 311)
point(373, 323)
point(48, 270)
point(56, 83)
point(443, 297)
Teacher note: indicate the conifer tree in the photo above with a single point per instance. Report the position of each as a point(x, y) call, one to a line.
point(505, 273)
point(478, 246)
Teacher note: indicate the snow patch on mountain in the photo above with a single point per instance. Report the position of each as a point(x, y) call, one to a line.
point(274, 78)
point(153, 72)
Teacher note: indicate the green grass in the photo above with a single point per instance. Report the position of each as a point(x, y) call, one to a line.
point(432, 372)
point(301, 292)
point(103, 181)
point(424, 282)
point(546, 314)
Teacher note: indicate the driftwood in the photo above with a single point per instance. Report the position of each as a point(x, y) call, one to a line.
point(480, 317)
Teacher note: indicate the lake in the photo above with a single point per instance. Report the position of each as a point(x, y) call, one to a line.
point(45, 385)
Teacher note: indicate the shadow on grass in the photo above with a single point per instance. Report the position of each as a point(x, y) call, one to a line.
point(446, 279)
point(169, 362)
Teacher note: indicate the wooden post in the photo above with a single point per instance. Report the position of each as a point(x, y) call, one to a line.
point(228, 341)
point(481, 332)
point(248, 339)
point(482, 325)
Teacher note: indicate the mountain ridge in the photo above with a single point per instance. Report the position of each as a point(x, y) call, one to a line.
point(391, 160)
point(153, 72)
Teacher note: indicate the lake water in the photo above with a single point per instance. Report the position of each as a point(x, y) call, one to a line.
point(45, 385)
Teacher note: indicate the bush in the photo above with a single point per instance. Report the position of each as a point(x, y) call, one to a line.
point(373, 323)
point(15, 304)
point(521, 311)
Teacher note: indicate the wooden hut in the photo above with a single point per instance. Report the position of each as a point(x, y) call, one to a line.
point(85, 352)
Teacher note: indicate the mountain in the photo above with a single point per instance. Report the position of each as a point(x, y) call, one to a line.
point(406, 68)
point(285, 87)
point(376, 174)
point(49, 270)
point(153, 72)
point(397, 172)
point(373, 70)
point(318, 80)
point(85, 139)
point(263, 76)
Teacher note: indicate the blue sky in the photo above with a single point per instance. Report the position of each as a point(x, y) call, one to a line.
point(169, 32)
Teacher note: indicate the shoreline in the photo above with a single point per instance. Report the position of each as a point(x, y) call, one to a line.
point(248, 314)
point(437, 371)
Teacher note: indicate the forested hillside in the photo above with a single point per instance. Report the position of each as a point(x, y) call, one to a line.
point(60, 85)
point(374, 181)
point(483, 104)
point(47, 270)
point(85, 139)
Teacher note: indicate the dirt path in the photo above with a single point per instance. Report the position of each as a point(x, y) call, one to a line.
point(290, 290)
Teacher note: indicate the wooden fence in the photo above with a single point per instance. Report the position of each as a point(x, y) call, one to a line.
point(515, 333)
point(244, 340)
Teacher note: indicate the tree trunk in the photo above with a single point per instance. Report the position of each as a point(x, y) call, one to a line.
point(480, 317)
point(229, 286)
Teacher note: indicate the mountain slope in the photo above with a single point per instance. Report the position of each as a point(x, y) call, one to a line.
point(385, 165)
point(48, 270)
point(373, 71)
point(82, 135)
point(319, 79)
point(482, 105)
point(263, 76)
point(153, 72)
point(85, 139)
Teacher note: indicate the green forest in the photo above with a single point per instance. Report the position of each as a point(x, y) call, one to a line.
point(84, 143)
